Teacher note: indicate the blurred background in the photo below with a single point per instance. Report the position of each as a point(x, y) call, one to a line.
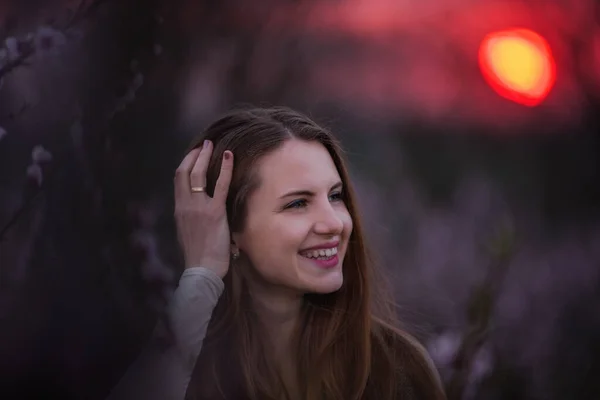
point(472, 130)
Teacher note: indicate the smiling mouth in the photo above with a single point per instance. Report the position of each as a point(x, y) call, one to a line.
point(322, 254)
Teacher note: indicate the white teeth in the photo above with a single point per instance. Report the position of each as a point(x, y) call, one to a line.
point(320, 253)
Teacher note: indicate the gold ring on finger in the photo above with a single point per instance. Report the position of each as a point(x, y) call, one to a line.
point(198, 189)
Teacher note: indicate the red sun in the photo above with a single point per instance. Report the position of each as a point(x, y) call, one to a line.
point(518, 65)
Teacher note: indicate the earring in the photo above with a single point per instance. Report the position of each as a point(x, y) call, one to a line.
point(235, 255)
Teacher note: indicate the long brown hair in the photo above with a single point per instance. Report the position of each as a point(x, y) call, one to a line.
point(349, 346)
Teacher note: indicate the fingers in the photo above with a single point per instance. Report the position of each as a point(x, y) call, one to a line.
point(192, 172)
point(182, 174)
point(222, 186)
point(198, 173)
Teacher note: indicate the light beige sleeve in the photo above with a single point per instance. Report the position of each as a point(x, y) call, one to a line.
point(164, 373)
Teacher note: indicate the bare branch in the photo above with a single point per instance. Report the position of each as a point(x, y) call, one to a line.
point(80, 15)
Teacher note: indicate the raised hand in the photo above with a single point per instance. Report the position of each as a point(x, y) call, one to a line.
point(201, 221)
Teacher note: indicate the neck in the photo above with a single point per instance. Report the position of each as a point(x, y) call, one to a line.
point(279, 313)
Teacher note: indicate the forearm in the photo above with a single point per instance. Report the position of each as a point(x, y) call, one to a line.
point(164, 372)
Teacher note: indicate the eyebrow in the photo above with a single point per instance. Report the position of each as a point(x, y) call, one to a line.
point(308, 193)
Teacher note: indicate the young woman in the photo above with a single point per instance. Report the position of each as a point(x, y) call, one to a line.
point(279, 298)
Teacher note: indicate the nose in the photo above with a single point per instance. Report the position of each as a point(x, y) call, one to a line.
point(328, 221)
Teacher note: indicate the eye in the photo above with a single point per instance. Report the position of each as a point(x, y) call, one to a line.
point(336, 196)
point(300, 203)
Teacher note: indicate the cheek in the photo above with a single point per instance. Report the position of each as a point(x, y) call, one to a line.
point(275, 259)
point(287, 239)
point(347, 222)
point(269, 245)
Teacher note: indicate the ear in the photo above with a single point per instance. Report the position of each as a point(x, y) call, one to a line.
point(233, 243)
point(235, 240)
point(234, 250)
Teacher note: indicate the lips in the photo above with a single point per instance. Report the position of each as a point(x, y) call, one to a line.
point(326, 262)
point(322, 253)
point(322, 246)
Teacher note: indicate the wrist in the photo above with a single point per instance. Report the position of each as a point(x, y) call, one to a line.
point(198, 270)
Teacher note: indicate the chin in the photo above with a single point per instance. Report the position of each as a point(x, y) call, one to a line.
point(327, 285)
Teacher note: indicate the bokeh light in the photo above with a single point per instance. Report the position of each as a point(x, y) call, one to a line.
point(518, 65)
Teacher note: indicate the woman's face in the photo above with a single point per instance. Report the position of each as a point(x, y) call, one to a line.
point(297, 227)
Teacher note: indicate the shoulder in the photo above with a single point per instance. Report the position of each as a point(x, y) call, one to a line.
point(410, 362)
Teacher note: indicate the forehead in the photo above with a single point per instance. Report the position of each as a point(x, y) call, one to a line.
point(297, 165)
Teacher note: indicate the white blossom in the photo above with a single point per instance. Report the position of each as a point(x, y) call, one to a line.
point(483, 364)
point(39, 154)
point(443, 348)
point(153, 269)
point(12, 47)
point(48, 40)
point(34, 171)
